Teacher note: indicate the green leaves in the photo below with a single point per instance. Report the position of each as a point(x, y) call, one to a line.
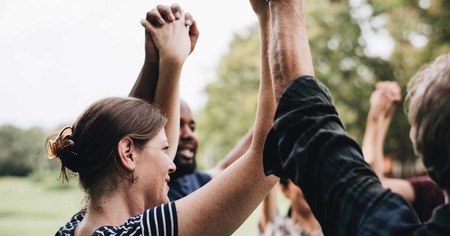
point(342, 39)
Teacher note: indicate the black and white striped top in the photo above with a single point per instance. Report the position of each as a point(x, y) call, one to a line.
point(159, 221)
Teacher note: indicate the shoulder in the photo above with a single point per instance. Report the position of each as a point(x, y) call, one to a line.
point(421, 180)
point(437, 225)
point(425, 186)
point(160, 220)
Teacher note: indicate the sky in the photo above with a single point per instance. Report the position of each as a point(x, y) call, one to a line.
point(59, 56)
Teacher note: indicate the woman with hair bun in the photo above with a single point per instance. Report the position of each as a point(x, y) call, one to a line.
point(122, 150)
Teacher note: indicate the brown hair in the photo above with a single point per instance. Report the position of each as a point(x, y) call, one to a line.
point(89, 148)
point(428, 109)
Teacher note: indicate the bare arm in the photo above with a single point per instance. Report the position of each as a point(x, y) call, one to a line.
point(268, 210)
point(290, 55)
point(372, 145)
point(382, 106)
point(145, 85)
point(222, 205)
point(174, 41)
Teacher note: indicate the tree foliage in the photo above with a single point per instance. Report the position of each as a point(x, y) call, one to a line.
point(340, 34)
point(231, 107)
point(21, 150)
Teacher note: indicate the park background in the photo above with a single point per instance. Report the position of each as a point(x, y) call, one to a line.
point(57, 57)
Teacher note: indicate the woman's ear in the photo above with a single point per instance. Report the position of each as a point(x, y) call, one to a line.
point(125, 149)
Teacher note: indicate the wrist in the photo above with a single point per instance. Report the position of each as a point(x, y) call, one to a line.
point(151, 58)
point(171, 58)
point(171, 61)
point(151, 61)
point(374, 117)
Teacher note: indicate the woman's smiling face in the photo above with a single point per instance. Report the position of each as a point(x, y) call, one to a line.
point(153, 169)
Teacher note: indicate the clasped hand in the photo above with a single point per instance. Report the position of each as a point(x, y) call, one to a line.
point(171, 34)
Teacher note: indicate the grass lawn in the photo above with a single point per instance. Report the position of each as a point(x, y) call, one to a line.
point(40, 205)
point(30, 207)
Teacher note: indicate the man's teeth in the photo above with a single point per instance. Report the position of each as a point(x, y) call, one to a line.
point(186, 152)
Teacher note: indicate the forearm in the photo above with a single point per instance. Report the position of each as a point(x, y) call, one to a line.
point(266, 101)
point(227, 200)
point(145, 85)
point(372, 145)
point(290, 54)
point(167, 97)
point(222, 205)
point(268, 209)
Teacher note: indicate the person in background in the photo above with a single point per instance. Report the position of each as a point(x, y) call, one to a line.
point(187, 178)
point(309, 145)
point(299, 220)
point(123, 157)
point(422, 192)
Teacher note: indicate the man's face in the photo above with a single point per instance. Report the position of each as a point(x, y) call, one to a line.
point(188, 143)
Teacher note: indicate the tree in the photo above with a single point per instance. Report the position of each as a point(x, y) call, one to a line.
point(21, 150)
point(341, 34)
point(231, 107)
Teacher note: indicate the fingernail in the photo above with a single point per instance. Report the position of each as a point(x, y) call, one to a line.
point(171, 17)
point(177, 15)
point(161, 21)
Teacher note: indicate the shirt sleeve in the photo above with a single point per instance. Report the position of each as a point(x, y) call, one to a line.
point(161, 220)
point(309, 145)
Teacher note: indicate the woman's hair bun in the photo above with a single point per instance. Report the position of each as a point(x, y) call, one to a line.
point(62, 146)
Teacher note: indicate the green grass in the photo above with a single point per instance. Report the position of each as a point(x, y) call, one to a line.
point(31, 207)
point(40, 204)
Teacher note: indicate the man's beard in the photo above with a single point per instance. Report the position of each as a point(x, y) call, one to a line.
point(183, 168)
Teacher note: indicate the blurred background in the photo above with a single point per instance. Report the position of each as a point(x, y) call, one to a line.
point(57, 57)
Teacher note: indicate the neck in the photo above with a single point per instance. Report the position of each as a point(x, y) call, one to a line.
point(112, 210)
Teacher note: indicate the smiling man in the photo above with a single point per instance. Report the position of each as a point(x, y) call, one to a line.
point(187, 178)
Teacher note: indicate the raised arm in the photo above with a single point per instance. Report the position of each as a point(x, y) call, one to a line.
point(145, 85)
point(309, 144)
point(383, 102)
point(222, 205)
point(290, 55)
point(174, 34)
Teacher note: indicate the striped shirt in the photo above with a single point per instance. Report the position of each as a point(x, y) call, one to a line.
point(159, 221)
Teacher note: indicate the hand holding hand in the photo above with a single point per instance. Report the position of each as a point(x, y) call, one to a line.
point(157, 18)
point(384, 99)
